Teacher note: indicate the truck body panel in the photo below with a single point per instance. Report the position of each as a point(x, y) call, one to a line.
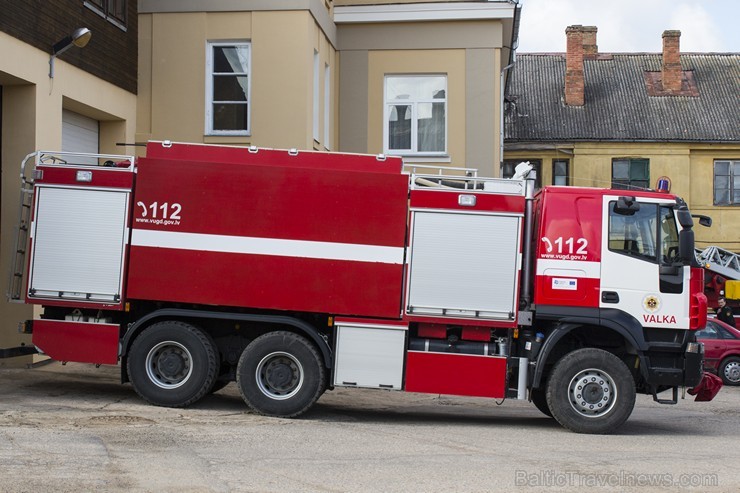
point(269, 236)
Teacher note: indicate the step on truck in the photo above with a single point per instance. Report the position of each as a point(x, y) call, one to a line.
point(294, 272)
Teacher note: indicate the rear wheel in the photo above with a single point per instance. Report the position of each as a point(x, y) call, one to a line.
point(591, 391)
point(281, 374)
point(729, 370)
point(172, 364)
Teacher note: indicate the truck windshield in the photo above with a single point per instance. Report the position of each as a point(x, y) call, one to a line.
point(650, 233)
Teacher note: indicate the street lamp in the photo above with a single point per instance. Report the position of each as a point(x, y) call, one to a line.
point(79, 38)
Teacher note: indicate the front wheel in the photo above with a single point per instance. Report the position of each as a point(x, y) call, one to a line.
point(281, 374)
point(172, 364)
point(591, 391)
point(729, 370)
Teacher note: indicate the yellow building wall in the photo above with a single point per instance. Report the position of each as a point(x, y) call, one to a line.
point(172, 70)
point(725, 230)
point(690, 168)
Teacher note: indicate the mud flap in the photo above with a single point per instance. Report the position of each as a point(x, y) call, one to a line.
point(693, 364)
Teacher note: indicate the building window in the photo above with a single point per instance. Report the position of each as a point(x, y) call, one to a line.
point(114, 11)
point(415, 115)
point(630, 174)
point(508, 168)
point(228, 88)
point(560, 172)
point(727, 182)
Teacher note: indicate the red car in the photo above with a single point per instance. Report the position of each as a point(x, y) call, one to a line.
point(721, 350)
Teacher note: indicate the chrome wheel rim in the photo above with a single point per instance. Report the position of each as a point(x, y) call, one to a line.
point(732, 372)
point(169, 365)
point(592, 393)
point(279, 375)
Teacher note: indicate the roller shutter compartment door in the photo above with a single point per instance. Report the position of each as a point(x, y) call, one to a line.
point(80, 134)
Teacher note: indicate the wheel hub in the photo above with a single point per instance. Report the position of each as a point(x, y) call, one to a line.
point(168, 365)
point(592, 393)
point(279, 375)
point(732, 372)
point(171, 364)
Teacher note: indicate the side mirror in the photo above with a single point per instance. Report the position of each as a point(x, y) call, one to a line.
point(705, 221)
point(626, 206)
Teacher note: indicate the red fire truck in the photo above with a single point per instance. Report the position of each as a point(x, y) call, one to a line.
point(295, 272)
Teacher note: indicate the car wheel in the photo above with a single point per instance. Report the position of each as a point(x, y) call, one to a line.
point(729, 370)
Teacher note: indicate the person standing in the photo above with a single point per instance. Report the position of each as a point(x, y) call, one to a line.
point(724, 313)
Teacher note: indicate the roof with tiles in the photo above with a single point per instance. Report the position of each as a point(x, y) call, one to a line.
point(621, 103)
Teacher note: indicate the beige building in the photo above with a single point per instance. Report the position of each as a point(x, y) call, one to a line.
point(417, 79)
point(85, 102)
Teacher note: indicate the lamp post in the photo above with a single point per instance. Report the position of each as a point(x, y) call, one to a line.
point(79, 38)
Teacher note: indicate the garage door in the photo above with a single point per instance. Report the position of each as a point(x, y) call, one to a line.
point(79, 134)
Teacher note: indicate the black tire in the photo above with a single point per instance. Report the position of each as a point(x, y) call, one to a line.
point(539, 399)
point(281, 374)
point(172, 364)
point(591, 391)
point(729, 370)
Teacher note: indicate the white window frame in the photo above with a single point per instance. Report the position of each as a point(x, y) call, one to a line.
point(733, 200)
point(327, 106)
point(103, 10)
point(316, 97)
point(210, 45)
point(414, 118)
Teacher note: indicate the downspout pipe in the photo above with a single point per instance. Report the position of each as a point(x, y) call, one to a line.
point(501, 123)
point(512, 60)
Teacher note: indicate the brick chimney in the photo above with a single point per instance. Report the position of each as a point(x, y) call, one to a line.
point(574, 83)
point(672, 74)
point(590, 48)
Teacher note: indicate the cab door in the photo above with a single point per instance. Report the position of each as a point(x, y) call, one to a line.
point(641, 273)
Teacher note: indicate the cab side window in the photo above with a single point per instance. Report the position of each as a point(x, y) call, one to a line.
point(634, 235)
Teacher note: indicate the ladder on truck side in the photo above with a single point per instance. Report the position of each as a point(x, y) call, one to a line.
point(723, 262)
point(18, 264)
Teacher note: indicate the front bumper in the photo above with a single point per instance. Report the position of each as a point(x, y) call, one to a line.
point(676, 370)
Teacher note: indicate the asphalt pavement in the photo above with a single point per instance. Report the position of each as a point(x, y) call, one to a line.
point(76, 428)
